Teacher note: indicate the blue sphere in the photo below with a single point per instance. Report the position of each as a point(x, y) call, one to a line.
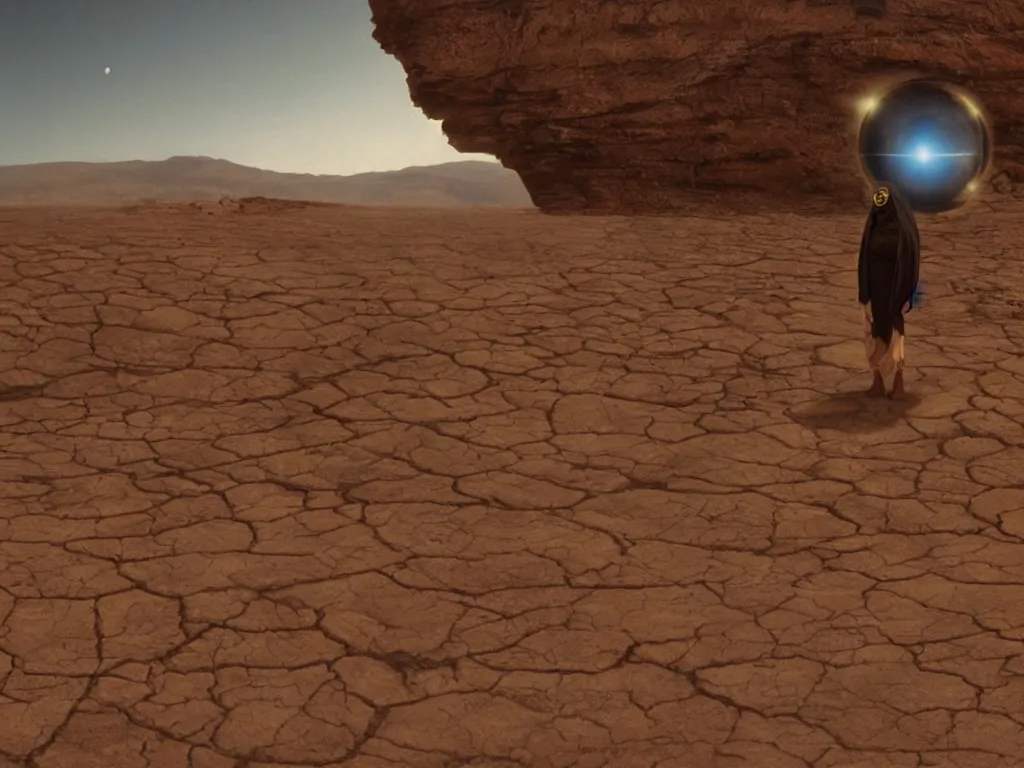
point(928, 138)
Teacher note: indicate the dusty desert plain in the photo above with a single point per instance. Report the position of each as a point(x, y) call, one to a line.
point(289, 486)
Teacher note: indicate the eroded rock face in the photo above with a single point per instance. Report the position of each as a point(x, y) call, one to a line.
point(655, 105)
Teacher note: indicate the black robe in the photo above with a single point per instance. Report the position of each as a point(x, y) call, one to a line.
point(889, 264)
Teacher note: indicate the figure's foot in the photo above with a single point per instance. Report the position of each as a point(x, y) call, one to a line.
point(898, 392)
point(877, 387)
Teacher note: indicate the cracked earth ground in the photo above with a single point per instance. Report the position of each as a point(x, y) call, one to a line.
point(319, 486)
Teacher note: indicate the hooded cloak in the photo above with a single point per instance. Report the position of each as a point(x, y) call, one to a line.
point(889, 264)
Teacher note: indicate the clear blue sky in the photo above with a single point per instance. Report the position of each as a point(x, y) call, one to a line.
point(287, 85)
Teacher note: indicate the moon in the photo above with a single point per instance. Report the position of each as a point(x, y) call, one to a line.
point(106, 70)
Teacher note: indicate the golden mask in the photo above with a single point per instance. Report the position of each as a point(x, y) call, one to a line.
point(881, 196)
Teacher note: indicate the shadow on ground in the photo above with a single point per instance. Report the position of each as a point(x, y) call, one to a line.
point(854, 412)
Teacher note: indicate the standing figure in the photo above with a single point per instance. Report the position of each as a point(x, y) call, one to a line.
point(890, 255)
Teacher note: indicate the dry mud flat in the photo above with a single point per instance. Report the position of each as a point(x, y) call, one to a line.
point(374, 489)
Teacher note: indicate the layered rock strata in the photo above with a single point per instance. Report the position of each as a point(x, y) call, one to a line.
point(653, 106)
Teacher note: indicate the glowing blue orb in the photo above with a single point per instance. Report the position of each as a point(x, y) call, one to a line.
point(927, 138)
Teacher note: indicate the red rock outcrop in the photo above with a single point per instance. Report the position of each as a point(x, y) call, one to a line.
point(660, 105)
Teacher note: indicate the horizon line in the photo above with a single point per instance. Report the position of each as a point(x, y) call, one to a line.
point(493, 161)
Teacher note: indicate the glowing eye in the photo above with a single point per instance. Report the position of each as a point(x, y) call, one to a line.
point(923, 155)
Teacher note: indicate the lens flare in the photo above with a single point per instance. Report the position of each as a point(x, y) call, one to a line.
point(868, 105)
point(971, 107)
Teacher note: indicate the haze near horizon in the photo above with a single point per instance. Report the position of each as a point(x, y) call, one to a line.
point(289, 87)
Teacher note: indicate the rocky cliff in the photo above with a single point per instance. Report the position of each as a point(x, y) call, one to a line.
point(662, 105)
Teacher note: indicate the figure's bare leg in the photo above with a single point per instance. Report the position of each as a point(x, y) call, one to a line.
point(877, 386)
point(898, 393)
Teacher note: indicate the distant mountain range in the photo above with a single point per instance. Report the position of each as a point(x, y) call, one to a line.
point(204, 178)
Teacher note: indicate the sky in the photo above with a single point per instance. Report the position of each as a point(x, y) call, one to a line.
point(286, 85)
